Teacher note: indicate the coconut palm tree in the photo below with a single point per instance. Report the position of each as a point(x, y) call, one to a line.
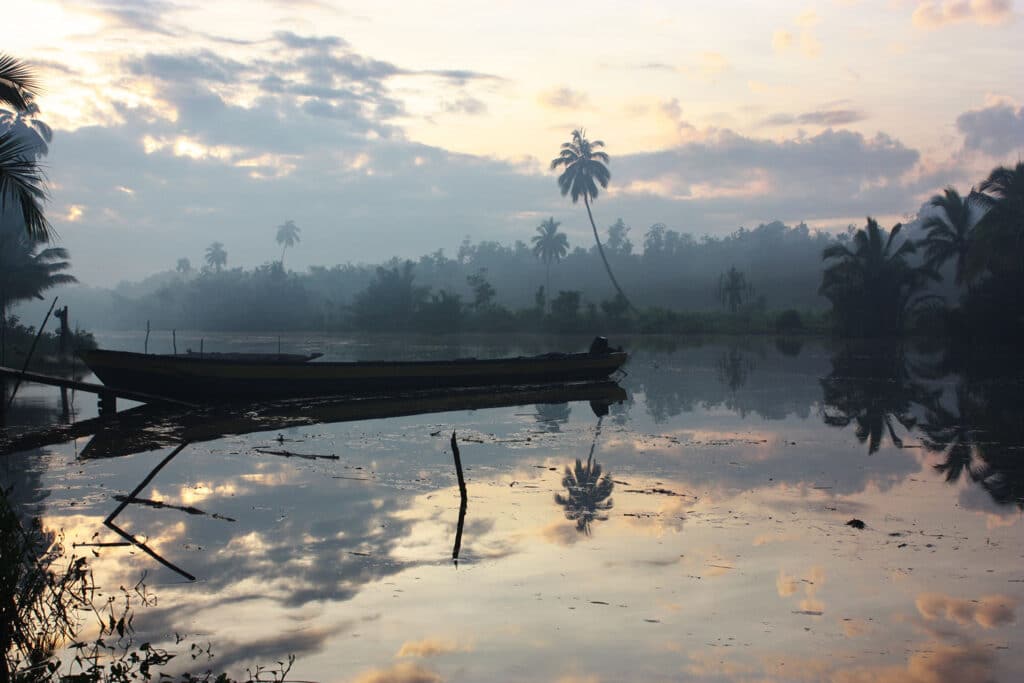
point(26, 272)
point(287, 235)
point(1000, 232)
point(550, 245)
point(22, 184)
point(216, 256)
point(949, 231)
point(872, 285)
point(585, 169)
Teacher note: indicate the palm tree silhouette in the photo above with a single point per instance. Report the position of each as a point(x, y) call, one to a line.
point(287, 235)
point(550, 245)
point(26, 272)
point(733, 289)
point(872, 285)
point(1000, 232)
point(585, 169)
point(216, 257)
point(21, 180)
point(949, 231)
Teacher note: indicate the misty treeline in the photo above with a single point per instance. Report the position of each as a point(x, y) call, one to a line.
point(485, 286)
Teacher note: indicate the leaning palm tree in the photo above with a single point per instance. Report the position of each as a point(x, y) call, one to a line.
point(22, 183)
point(287, 235)
point(949, 231)
point(550, 245)
point(585, 169)
point(216, 256)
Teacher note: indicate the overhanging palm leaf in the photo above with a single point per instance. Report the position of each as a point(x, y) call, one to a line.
point(17, 82)
point(22, 184)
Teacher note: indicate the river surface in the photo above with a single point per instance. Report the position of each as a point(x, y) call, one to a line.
point(697, 529)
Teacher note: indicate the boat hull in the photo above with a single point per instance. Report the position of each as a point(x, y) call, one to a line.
point(201, 379)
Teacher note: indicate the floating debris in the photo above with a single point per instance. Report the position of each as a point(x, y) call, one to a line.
point(856, 523)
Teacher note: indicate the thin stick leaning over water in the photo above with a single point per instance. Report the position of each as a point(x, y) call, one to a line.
point(109, 521)
point(32, 349)
point(463, 501)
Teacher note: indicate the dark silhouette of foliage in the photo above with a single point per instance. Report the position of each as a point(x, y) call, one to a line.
point(483, 292)
point(585, 169)
point(949, 232)
point(999, 247)
point(391, 301)
point(588, 494)
point(872, 285)
point(550, 245)
point(618, 242)
point(23, 140)
point(873, 390)
point(733, 289)
point(216, 256)
point(184, 266)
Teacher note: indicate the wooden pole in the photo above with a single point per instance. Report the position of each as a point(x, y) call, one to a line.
point(174, 341)
point(462, 503)
point(32, 349)
point(145, 345)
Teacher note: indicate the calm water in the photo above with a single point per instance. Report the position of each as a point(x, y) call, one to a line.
point(711, 545)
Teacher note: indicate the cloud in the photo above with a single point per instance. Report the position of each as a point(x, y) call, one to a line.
point(292, 40)
point(936, 14)
point(466, 105)
point(989, 612)
point(821, 117)
point(782, 40)
point(429, 647)
point(403, 672)
point(200, 66)
point(140, 15)
point(564, 98)
point(994, 130)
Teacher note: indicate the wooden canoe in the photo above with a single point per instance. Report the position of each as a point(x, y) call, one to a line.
point(205, 379)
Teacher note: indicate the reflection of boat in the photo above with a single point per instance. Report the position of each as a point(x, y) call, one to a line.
point(151, 427)
point(196, 377)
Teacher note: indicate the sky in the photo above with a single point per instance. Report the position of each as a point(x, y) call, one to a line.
point(396, 128)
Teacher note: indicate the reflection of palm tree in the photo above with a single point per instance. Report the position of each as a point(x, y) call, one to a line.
point(552, 415)
point(585, 169)
point(874, 392)
point(550, 245)
point(216, 256)
point(288, 236)
point(588, 490)
point(952, 434)
point(21, 180)
point(734, 368)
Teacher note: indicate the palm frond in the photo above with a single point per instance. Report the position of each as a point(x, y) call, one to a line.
point(17, 82)
point(22, 181)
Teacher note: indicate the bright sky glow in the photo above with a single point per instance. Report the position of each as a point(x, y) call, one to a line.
point(423, 111)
